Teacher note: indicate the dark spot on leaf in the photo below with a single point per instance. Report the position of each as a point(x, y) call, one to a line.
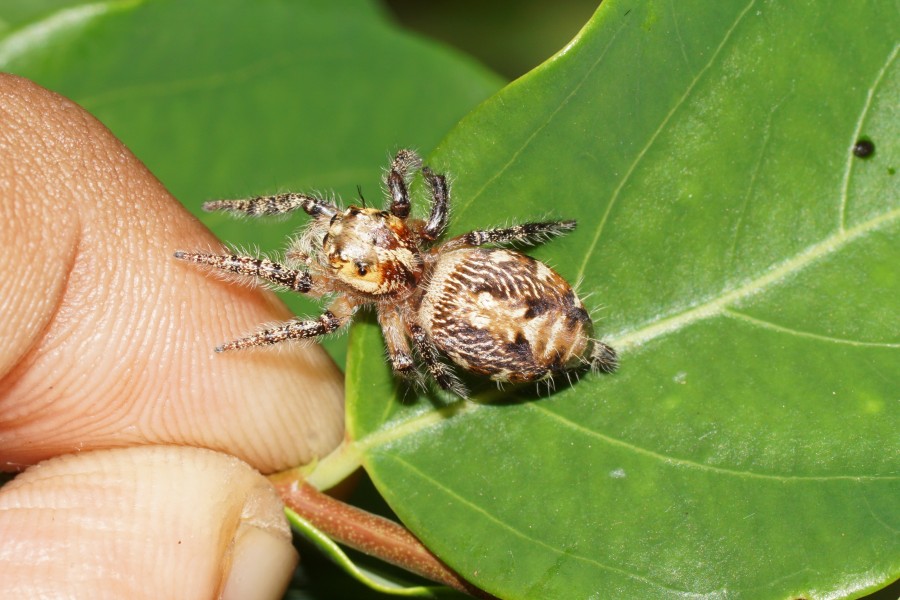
point(863, 148)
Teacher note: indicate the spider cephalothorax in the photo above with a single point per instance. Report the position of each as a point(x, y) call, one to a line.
point(372, 252)
point(491, 310)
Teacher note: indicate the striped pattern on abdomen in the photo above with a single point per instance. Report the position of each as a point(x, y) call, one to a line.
point(504, 315)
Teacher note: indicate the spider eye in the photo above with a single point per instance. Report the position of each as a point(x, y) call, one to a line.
point(361, 269)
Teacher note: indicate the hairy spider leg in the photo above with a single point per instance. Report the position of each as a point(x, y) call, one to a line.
point(403, 167)
point(335, 316)
point(397, 344)
point(441, 373)
point(440, 202)
point(525, 233)
point(278, 204)
point(293, 279)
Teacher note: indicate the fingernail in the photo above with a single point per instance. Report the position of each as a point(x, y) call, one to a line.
point(262, 565)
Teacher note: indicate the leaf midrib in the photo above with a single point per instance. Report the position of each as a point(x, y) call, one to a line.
point(628, 340)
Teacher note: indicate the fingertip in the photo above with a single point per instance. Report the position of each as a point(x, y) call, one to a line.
point(146, 522)
point(261, 566)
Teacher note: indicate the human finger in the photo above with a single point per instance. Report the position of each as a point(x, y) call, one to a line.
point(106, 340)
point(146, 522)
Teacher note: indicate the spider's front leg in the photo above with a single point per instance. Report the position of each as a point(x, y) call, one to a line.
point(279, 204)
point(293, 279)
point(526, 233)
point(336, 316)
point(403, 167)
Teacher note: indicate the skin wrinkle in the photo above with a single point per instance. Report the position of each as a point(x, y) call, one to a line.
point(18, 144)
point(73, 295)
point(108, 352)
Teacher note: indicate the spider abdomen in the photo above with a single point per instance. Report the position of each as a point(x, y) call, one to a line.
point(505, 315)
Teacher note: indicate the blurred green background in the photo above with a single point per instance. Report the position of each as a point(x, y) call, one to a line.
point(509, 37)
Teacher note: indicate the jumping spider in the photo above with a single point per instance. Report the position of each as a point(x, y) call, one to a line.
point(492, 311)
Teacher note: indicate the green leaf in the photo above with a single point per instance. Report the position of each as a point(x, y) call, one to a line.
point(744, 263)
point(235, 98)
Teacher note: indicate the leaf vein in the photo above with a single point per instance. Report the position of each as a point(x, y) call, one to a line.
point(754, 177)
point(803, 334)
point(878, 519)
point(714, 306)
point(681, 44)
point(463, 206)
point(870, 95)
point(490, 517)
point(681, 462)
point(652, 140)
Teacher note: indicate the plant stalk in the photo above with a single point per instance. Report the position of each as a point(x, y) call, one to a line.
point(368, 533)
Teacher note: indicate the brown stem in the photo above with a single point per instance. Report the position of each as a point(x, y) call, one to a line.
point(368, 533)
